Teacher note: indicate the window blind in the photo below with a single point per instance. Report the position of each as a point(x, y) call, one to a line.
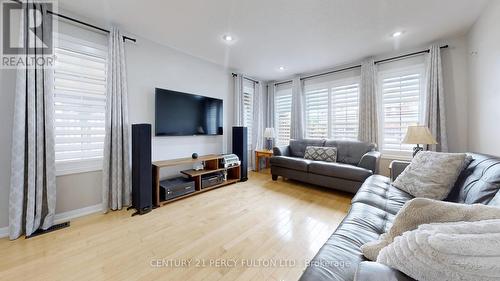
point(79, 101)
point(248, 95)
point(401, 98)
point(331, 109)
point(283, 114)
point(317, 113)
point(345, 107)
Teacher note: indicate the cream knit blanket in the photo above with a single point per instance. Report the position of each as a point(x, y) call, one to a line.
point(447, 251)
point(420, 211)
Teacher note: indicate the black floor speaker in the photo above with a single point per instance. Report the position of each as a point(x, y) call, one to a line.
point(142, 182)
point(240, 148)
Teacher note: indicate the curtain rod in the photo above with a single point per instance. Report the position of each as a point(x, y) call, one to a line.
point(79, 22)
point(244, 77)
point(357, 66)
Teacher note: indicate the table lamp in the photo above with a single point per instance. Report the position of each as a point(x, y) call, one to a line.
point(418, 135)
point(269, 136)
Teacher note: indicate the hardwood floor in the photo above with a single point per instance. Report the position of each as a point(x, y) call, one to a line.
point(256, 230)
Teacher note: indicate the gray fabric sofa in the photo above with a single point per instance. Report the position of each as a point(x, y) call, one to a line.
point(356, 161)
point(372, 212)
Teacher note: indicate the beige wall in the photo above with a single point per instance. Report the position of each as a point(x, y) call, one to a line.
point(484, 71)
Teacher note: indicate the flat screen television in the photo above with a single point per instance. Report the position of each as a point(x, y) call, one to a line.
point(183, 114)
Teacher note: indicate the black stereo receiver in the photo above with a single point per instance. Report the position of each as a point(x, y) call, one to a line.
point(173, 188)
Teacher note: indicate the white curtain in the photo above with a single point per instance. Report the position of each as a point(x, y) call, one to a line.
point(297, 127)
point(435, 116)
point(368, 112)
point(238, 100)
point(258, 121)
point(116, 191)
point(32, 197)
point(271, 88)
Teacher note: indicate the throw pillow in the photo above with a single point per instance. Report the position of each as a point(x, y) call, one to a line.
point(447, 251)
point(432, 174)
point(320, 153)
point(420, 211)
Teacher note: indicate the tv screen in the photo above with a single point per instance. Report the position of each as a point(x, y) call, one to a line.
point(182, 114)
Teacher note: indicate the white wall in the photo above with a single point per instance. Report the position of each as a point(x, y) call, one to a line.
point(484, 89)
point(149, 65)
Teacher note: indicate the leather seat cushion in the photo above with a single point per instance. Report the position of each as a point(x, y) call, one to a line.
point(294, 163)
point(479, 182)
point(378, 192)
point(339, 170)
point(338, 259)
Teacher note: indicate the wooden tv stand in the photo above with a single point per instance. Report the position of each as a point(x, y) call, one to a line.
point(211, 165)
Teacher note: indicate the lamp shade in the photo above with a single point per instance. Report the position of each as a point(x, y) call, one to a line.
point(419, 135)
point(269, 133)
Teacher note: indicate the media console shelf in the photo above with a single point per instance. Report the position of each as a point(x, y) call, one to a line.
point(212, 165)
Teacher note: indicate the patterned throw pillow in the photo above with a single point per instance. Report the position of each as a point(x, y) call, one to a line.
point(432, 174)
point(319, 153)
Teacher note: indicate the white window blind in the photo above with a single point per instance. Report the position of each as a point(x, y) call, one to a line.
point(248, 95)
point(401, 93)
point(317, 113)
point(345, 107)
point(79, 103)
point(283, 113)
point(331, 109)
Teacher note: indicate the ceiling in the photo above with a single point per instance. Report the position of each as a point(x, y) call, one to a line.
point(301, 35)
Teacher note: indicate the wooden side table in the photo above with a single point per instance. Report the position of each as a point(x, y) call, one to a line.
point(262, 154)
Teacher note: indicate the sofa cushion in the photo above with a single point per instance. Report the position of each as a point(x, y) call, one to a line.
point(350, 152)
point(294, 163)
point(339, 170)
point(320, 153)
point(479, 182)
point(378, 192)
point(341, 254)
point(298, 147)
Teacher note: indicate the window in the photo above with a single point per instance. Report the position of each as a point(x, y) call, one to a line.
point(248, 94)
point(79, 104)
point(401, 93)
point(332, 109)
point(283, 113)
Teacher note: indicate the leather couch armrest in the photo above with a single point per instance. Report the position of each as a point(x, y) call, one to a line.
point(281, 151)
point(374, 271)
point(397, 167)
point(370, 161)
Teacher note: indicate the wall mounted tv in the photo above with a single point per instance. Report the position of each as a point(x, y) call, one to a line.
point(183, 114)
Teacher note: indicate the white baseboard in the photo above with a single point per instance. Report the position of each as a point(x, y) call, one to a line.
point(4, 232)
point(73, 214)
point(63, 217)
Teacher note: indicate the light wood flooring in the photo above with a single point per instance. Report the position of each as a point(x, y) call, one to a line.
point(255, 230)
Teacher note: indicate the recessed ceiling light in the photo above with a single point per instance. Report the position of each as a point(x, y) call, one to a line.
point(397, 34)
point(282, 68)
point(227, 37)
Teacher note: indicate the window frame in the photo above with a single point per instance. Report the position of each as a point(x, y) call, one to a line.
point(391, 72)
point(64, 41)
